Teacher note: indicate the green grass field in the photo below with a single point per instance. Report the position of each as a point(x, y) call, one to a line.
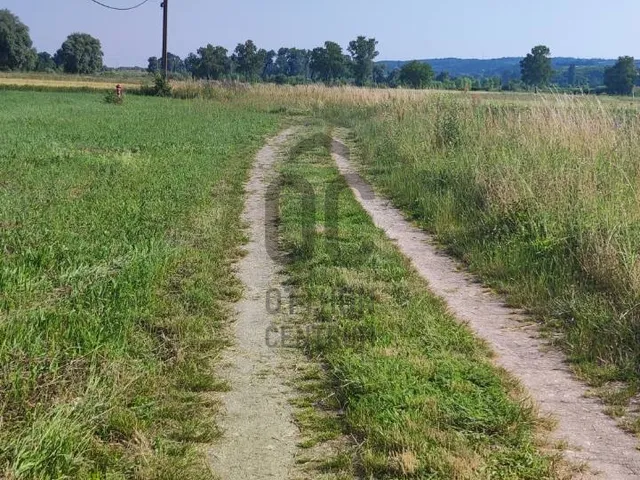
point(117, 226)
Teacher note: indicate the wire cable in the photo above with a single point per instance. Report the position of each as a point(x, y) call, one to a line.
point(120, 8)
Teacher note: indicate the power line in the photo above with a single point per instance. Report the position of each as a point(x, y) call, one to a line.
point(165, 7)
point(120, 8)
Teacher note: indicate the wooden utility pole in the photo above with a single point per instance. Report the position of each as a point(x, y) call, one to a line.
point(165, 25)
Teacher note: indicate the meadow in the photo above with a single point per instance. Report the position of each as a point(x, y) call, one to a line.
point(117, 228)
point(119, 223)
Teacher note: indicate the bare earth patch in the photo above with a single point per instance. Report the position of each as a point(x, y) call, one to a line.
point(260, 435)
point(591, 436)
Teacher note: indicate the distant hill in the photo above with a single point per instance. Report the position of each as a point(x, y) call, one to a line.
point(478, 68)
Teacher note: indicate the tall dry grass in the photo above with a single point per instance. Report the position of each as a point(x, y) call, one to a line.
point(539, 197)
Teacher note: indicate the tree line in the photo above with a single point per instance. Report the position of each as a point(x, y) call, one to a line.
point(329, 63)
point(81, 53)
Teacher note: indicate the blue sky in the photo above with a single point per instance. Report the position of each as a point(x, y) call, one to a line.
point(405, 29)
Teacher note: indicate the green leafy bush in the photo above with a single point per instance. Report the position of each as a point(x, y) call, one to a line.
point(113, 98)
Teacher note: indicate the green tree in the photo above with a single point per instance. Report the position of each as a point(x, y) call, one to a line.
point(247, 60)
point(416, 74)
point(393, 78)
point(174, 63)
point(379, 74)
point(571, 75)
point(268, 63)
point(298, 62)
point(363, 52)
point(536, 67)
point(490, 83)
point(45, 62)
point(16, 52)
point(212, 63)
point(191, 63)
point(464, 83)
point(154, 65)
point(621, 78)
point(328, 63)
point(443, 76)
point(80, 53)
point(281, 61)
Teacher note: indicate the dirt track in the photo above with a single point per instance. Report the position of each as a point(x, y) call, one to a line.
point(592, 437)
point(260, 437)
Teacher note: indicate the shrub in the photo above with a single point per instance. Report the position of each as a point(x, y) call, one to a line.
point(113, 98)
point(160, 88)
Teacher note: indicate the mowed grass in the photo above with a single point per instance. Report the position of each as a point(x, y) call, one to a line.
point(117, 228)
point(418, 392)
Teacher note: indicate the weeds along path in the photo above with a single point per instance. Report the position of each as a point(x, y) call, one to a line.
point(259, 434)
point(591, 436)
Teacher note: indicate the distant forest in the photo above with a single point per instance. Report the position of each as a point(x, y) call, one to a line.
point(589, 72)
point(503, 73)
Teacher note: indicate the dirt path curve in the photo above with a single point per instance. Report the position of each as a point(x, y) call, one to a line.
point(592, 437)
point(260, 437)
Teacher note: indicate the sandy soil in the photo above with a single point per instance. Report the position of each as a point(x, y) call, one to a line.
point(591, 436)
point(260, 436)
